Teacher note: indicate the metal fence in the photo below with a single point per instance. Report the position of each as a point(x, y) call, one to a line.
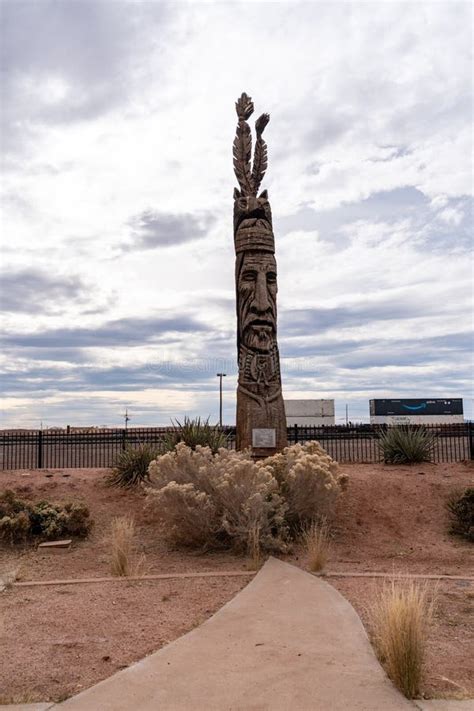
point(36, 449)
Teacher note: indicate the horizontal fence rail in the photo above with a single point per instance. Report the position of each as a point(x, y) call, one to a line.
point(36, 449)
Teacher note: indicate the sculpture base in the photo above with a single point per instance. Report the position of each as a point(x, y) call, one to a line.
point(261, 424)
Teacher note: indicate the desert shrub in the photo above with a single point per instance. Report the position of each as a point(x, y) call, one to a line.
point(20, 519)
point(124, 557)
point(211, 501)
point(309, 481)
point(193, 433)
point(405, 444)
point(131, 466)
point(226, 499)
point(316, 539)
point(400, 618)
point(460, 506)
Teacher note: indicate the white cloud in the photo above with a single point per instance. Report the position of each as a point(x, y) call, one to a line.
point(364, 103)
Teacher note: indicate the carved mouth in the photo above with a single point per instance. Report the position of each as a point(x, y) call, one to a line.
point(263, 324)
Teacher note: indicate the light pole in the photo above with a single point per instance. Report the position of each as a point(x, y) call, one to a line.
point(220, 376)
point(126, 417)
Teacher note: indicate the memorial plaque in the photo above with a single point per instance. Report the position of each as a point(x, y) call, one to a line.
point(263, 438)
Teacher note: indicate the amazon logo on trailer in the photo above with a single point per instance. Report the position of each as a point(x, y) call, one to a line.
point(416, 410)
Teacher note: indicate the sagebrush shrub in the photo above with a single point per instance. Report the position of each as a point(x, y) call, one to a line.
point(193, 433)
point(460, 506)
point(309, 481)
point(131, 466)
point(210, 500)
point(405, 444)
point(228, 499)
point(21, 519)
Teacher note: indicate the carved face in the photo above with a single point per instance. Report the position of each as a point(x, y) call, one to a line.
point(257, 290)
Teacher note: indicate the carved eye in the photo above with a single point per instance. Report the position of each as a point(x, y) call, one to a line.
point(249, 275)
point(271, 278)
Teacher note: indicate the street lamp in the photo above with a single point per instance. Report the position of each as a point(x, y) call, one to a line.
point(220, 376)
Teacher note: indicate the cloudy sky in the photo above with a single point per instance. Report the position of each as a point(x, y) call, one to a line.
point(117, 261)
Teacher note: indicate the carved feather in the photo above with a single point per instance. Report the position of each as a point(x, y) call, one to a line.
point(260, 163)
point(242, 151)
point(260, 158)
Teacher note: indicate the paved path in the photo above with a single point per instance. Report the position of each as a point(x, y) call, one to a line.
point(287, 642)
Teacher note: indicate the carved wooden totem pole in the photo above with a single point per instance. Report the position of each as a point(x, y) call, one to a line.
point(261, 422)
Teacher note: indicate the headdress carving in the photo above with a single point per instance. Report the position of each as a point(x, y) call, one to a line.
point(252, 214)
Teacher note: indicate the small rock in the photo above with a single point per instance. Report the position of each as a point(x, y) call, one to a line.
point(55, 545)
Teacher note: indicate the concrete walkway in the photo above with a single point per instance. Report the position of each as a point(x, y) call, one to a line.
point(287, 642)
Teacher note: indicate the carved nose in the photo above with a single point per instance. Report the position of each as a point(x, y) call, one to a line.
point(262, 302)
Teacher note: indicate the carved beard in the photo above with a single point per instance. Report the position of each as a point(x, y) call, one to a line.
point(259, 337)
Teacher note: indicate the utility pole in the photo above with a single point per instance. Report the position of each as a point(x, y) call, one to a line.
point(126, 417)
point(220, 376)
point(347, 414)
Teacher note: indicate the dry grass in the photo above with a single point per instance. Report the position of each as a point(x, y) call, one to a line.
point(27, 697)
point(316, 540)
point(124, 558)
point(254, 548)
point(400, 617)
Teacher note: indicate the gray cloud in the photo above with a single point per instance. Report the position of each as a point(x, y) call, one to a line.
point(160, 229)
point(32, 291)
point(48, 379)
point(89, 45)
point(301, 322)
point(121, 332)
point(387, 205)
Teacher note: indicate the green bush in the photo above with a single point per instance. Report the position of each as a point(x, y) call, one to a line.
point(405, 444)
point(131, 466)
point(194, 433)
point(461, 509)
point(20, 519)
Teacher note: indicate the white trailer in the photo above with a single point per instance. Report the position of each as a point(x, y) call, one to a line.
point(309, 413)
point(416, 411)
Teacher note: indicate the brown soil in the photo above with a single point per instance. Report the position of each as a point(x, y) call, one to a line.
point(58, 640)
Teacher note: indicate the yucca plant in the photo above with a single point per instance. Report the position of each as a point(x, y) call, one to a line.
point(193, 432)
point(404, 444)
point(131, 466)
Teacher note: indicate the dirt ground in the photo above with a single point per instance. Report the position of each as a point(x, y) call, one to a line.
point(55, 641)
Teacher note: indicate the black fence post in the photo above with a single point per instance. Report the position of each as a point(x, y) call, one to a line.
point(39, 451)
point(296, 433)
point(471, 440)
point(124, 440)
